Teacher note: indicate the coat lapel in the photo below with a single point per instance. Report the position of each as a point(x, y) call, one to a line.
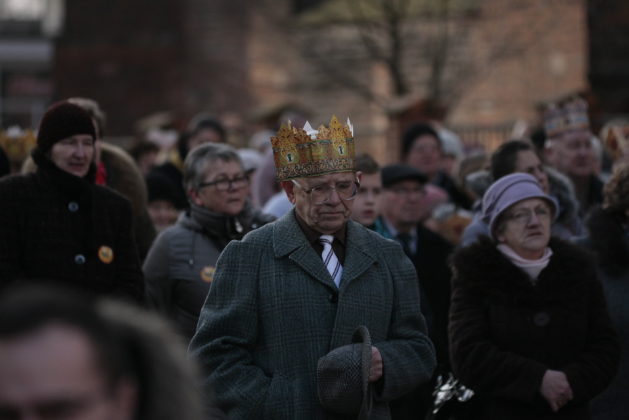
point(359, 256)
point(288, 239)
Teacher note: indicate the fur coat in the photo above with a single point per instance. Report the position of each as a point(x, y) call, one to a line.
point(506, 331)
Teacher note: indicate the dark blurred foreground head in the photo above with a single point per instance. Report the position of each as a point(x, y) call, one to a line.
point(62, 356)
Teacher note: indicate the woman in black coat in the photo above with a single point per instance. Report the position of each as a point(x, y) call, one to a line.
point(56, 224)
point(529, 329)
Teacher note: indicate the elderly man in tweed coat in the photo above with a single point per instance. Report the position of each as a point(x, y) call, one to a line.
point(276, 306)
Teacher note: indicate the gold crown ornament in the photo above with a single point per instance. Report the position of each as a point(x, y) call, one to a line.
point(17, 143)
point(304, 152)
point(568, 115)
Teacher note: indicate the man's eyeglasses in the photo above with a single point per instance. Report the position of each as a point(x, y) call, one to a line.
point(319, 194)
point(227, 184)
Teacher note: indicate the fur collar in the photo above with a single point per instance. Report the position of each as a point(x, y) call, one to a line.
point(488, 272)
point(609, 241)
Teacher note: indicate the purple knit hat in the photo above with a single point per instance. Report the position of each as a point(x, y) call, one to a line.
point(62, 120)
point(508, 191)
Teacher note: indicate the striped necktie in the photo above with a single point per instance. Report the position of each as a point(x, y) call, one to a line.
point(330, 260)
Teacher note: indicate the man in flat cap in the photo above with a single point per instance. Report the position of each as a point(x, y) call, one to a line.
point(401, 220)
point(294, 290)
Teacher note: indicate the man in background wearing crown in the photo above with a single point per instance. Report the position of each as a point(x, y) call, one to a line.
point(296, 289)
point(569, 149)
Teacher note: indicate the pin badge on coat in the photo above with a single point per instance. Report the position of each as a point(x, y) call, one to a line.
point(105, 254)
point(207, 274)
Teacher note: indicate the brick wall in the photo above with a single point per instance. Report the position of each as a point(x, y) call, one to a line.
point(124, 54)
point(231, 56)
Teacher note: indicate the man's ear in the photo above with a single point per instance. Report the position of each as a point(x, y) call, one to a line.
point(359, 176)
point(289, 189)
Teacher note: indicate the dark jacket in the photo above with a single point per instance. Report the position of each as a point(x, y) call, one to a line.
point(124, 177)
point(434, 276)
point(180, 266)
point(57, 226)
point(506, 332)
point(609, 239)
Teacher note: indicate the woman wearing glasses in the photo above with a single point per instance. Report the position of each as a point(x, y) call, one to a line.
point(180, 265)
point(529, 329)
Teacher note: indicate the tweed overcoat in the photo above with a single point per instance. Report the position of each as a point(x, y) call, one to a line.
point(273, 311)
point(506, 332)
point(56, 226)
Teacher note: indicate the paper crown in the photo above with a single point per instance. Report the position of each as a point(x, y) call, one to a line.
point(568, 115)
point(304, 152)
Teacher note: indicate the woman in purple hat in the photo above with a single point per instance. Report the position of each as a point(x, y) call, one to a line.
point(529, 329)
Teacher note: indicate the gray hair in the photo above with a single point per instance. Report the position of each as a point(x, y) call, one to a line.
point(202, 156)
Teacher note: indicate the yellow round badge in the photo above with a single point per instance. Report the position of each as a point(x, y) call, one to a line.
point(207, 274)
point(106, 254)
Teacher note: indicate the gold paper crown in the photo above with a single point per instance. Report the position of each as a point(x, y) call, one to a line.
point(565, 116)
point(303, 152)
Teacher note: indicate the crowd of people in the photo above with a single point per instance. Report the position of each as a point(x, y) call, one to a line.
point(307, 280)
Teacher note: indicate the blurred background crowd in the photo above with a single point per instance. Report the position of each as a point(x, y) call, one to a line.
point(446, 97)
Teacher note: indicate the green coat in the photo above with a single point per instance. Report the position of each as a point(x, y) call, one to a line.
point(273, 311)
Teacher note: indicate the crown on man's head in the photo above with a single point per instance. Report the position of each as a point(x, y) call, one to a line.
point(560, 117)
point(304, 152)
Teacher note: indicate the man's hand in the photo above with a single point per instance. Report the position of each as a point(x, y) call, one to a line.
point(375, 371)
point(556, 389)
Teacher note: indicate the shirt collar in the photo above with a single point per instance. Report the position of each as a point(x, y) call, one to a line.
point(313, 236)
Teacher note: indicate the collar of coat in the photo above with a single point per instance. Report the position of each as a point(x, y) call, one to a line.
point(289, 240)
point(483, 269)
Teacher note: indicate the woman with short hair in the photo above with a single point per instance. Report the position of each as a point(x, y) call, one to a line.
point(180, 265)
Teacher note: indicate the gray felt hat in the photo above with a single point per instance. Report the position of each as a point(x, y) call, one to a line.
point(343, 377)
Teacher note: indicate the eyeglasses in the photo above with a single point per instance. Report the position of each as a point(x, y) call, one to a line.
point(227, 184)
point(319, 194)
point(524, 216)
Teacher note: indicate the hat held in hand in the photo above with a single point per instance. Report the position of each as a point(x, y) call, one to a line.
point(343, 377)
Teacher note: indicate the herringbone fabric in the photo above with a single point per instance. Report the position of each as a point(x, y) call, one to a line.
point(330, 259)
point(273, 311)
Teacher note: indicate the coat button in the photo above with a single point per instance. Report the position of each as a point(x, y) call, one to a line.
point(73, 206)
point(334, 297)
point(541, 319)
point(79, 259)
